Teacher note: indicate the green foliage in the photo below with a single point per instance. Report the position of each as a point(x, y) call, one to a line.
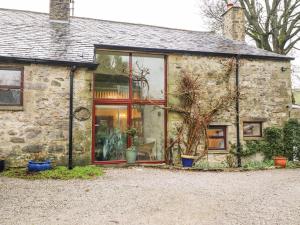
point(209, 165)
point(131, 132)
point(250, 148)
point(292, 165)
point(60, 173)
point(291, 138)
point(276, 142)
point(254, 165)
point(272, 145)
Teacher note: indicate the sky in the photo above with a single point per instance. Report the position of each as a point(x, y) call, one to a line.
point(183, 14)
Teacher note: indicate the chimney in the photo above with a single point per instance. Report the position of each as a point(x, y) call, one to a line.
point(59, 10)
point(234, 23)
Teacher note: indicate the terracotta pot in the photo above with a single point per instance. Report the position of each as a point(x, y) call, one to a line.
point(280, 161)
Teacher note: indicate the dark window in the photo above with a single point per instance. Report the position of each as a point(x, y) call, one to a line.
point(11, 87)
point(252, 129)
point(217, 138)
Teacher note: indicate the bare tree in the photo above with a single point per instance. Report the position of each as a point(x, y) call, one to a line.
point(274, 25)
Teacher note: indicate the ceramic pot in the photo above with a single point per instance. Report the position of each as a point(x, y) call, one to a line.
point(280, 161)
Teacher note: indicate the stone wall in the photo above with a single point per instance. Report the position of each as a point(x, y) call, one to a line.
point(265, 92)
point(41, 126)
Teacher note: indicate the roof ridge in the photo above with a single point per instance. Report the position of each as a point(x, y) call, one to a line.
point(113, 21)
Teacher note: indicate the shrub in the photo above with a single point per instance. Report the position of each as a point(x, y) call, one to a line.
point(272, 145)
point(291, 139)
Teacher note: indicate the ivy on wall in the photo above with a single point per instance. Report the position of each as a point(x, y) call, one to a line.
point(278, 141)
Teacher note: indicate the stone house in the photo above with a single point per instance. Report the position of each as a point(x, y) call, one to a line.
point(71, 84)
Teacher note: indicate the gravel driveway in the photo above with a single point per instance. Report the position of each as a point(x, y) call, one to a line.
point(153, 196)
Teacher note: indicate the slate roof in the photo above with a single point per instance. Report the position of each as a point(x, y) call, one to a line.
point(31, 35)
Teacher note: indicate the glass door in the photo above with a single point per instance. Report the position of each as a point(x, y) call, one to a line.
point(110, 132)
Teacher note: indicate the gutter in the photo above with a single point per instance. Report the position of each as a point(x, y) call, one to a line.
point(70, 162)
point(237, 111)
point(48, 62)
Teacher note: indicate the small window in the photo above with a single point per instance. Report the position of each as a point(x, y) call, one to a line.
point(11, 87)
point(252, 129)
point(217, 138)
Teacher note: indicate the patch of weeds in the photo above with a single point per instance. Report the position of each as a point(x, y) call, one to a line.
point(293, 165)
point(254, 165)
point(59, 173)
point(210, 165)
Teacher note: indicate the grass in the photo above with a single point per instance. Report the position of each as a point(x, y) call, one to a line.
point(252, 165)
point(59, 173)
point(210, 165)
point(256, 165)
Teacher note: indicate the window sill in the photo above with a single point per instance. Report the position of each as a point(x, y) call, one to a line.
point(252, 138)
point(218, 152)
point(11, 108)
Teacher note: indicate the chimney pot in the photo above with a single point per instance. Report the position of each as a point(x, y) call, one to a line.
point(59, 10)
point(234, 23)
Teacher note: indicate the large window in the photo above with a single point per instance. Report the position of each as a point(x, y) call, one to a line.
point(217, 138)
point(11, 87)
point(129, 91)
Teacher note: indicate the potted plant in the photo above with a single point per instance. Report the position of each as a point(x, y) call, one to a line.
point(40, 163)
point(280, 161)
point(197, 113)
point(131, 152)
point(273, 146)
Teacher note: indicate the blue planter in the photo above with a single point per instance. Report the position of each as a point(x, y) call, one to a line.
point(38, 166)
point(187, 162)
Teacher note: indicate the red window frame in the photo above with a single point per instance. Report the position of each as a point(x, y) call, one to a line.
point(129, 103)
point(20, 87)
point(254, 122)
point(224, 137)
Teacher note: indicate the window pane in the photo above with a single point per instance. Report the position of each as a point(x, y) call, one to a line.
point(148, 77)
point(10, 97)
point(216, 143)
point(215, 132)
point(110, 136)
point(149, 122)
point(112, 75)
point(10, 77)
point(252, 129)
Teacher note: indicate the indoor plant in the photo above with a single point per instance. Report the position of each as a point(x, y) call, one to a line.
point(131, 152)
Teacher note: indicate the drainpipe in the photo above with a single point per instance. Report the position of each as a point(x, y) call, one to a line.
point(70, 165)
point(237, 108)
